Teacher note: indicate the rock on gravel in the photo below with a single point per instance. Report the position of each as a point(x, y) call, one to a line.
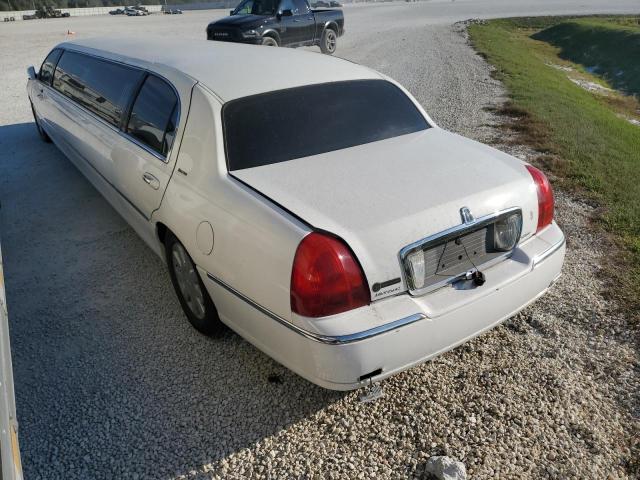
point(446, 468)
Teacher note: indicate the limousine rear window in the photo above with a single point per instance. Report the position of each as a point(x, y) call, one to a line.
point(48, 66)
point(154, 115)
point(102, 87)
point(299, 122)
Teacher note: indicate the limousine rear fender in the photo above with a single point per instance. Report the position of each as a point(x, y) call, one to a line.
point(254, 241)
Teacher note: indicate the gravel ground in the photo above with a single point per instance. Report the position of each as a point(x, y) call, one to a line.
point(111, 382)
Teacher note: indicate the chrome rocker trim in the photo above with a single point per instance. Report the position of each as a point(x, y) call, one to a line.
point(365, 334)
point(316, 337)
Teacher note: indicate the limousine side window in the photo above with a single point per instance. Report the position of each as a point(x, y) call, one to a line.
point(154, 115)
point(48, 66)
point(102, 87)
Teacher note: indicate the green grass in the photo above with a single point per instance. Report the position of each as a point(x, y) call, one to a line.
point(586, 137)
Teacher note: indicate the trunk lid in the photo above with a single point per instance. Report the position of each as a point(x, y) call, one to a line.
point(385, 195)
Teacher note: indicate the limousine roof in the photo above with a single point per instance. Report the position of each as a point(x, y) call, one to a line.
point(230, 70)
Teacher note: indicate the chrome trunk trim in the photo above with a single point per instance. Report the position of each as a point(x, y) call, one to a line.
point(450, 234)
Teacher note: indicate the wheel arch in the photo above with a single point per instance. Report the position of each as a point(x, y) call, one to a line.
point(273, 34)
point(161, 232)
point(332, 25)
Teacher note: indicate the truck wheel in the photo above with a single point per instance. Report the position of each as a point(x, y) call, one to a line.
point(269, 42)
point(41, 132)
point(329, 41)
point(192, 294)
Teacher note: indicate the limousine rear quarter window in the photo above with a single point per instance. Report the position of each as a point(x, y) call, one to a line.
point(151, 119)
point(102, 87)
point(300, 122)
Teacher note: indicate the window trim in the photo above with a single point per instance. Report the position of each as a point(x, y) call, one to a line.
point(223, 123)
point(55, 65)
point(127, 110)
point(126, 113)
point(280, 9)
point(307, 7)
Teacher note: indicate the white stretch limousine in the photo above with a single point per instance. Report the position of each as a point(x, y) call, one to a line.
point(307, 202)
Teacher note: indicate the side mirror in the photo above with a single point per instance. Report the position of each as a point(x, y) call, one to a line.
point(287, 13)
point(32, 73)
point(230, 12)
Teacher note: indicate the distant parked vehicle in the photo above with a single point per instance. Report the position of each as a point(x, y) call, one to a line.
point(280, 23)
point(333, 4)
point(117, 11)
point(133, 12)
point(9, 19)
point(46, 11)
point(173, 11)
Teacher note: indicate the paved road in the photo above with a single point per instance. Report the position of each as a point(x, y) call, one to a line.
point(111, 382)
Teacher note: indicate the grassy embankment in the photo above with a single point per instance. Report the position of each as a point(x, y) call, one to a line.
point(585, 137)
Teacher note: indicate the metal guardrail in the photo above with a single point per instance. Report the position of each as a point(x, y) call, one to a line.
point(9, 447)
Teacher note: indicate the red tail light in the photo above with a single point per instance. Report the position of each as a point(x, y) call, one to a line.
point(326, 278)
point(545, 197)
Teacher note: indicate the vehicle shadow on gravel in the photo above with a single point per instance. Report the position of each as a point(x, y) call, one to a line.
point(111, 381)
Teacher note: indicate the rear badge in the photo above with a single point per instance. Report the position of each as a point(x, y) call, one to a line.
point(378, 287)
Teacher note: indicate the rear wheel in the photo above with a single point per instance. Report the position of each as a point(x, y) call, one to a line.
point(192, 294)
point(41, 132)
point(329, 41)
point(269, 42)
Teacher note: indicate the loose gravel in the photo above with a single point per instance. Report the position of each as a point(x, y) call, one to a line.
point(111, 382)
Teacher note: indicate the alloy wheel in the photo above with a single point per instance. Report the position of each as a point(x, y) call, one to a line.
point(188, 280)
point(330, 41)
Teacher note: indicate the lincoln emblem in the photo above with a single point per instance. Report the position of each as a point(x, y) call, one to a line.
point(467, 216)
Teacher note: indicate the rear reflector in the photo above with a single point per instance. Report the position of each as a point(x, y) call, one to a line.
point(545, 197)
point(326, 278)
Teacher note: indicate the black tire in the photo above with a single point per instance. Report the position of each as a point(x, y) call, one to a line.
point(43, 135)
point(329, 41)
point(200, 311)
point(269, 42)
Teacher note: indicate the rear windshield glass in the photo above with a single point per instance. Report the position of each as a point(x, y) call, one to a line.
point(299, 122)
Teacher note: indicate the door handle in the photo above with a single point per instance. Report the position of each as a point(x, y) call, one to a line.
point(151, 180)
point(40, 94)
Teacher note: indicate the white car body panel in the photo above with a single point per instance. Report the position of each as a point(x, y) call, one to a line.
point(339, 367)
point(239, 217)
point(385, 195)
point(242, 228)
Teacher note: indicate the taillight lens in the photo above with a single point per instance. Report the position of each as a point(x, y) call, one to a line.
point(545, 197)
point(326, 278)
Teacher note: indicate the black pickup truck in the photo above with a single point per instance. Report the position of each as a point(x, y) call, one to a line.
point(286, 23)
